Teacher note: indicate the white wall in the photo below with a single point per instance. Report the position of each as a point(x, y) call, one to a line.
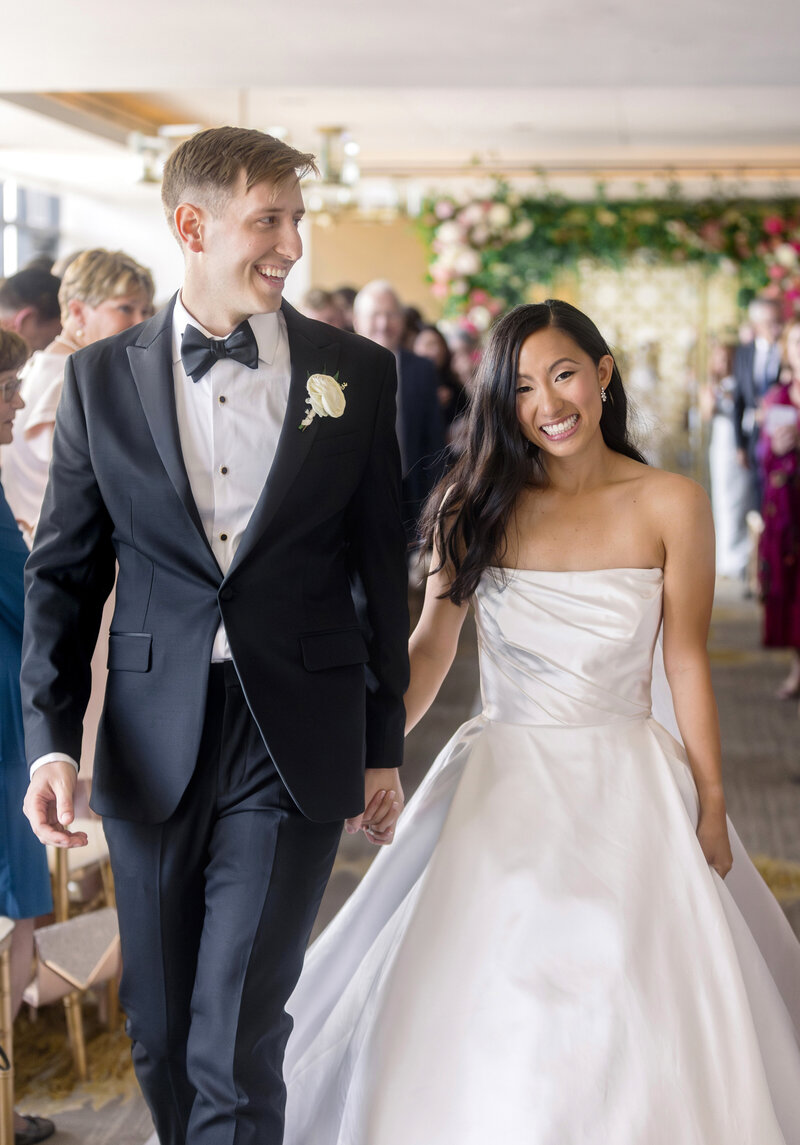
point(135, 225)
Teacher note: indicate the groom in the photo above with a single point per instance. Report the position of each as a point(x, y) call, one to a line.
point(244, 697)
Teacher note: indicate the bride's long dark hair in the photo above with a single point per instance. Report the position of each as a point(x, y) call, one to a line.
point(467, 514)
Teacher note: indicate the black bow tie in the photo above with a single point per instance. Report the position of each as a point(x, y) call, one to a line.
point(200, 353)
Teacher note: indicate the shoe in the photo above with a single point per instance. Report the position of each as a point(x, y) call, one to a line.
point(39, 1129)
point(788, 691)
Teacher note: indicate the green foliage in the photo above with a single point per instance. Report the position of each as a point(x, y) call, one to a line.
point(486, 254)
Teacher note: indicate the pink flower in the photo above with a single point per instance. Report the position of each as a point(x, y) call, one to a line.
point(439, 290)
point(444, 209)
point(776, 272)
point(478, 298)
point(773, 225)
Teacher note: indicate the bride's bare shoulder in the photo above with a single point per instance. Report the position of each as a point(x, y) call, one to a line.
point(662, 483)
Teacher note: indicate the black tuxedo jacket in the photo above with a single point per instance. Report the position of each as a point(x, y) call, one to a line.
point(422, 426)
point(747, 395)
point(326, 697)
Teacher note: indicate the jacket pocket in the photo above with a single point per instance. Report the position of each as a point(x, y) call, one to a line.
point(333, 649)
point(129, 651)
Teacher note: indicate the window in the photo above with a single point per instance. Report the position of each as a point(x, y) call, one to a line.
point(29, 226)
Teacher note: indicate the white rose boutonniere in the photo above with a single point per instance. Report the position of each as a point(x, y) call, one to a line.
point(325, 397)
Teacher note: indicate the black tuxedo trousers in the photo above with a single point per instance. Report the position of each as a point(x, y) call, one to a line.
point(216, 906)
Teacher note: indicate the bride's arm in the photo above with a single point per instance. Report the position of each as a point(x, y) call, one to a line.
point(689, 571)
point(432, 647)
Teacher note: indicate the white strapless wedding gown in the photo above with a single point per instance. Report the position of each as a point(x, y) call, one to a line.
point(543, 956)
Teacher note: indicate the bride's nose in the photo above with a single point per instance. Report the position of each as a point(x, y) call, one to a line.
point(550, 403)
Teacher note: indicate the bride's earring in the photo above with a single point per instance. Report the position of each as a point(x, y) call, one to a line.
point(603, 395)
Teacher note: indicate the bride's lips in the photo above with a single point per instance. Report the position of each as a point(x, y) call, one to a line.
point(572, 423)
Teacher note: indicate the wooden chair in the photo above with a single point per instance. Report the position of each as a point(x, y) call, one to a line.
point(72, 957)
point(6, 1036)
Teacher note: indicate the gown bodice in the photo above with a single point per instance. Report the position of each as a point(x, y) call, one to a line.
point(567, 648)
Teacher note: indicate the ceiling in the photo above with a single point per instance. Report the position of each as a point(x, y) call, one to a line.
point(427, 89)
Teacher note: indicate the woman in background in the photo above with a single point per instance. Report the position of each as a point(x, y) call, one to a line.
point(102, 293)
point(24, 878)
point(779, 548)
point(453, 398)
point(730, 485)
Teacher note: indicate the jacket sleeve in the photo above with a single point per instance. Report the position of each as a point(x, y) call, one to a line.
point(68, 577)
point(739, 401)
point(378, 550)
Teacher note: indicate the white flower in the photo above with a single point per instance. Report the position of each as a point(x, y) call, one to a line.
point(786, 256)
point(480, 234)
point(499, 216)
point(449, 232)
point(480, 318)
point(522, 229)
point(470, 215)
point(325, 397)
point(468, 262)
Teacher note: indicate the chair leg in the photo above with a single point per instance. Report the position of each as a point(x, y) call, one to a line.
point(108, 883)
point(6, 1036)
point(112, 1001)
point(72, 1006)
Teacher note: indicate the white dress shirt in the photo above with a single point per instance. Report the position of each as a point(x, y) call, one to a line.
point(229, 423)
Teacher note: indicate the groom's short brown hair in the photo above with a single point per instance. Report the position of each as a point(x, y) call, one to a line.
point(207, 166)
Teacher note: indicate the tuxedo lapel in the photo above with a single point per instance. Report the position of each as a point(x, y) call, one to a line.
point(150, 360)
point(309, 354)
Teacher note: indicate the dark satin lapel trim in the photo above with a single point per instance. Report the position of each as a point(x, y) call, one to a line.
point(294, 444)
point(151, 366)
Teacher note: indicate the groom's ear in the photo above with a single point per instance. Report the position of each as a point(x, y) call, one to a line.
point(189, 225)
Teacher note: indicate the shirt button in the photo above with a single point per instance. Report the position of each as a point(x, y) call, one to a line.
point(223, 470)
point(226, 593)
point(222, 399)
point(223, 536)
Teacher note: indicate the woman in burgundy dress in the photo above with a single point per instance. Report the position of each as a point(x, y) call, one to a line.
point(779, 552)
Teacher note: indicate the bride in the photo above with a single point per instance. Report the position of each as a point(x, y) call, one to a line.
point(548, 955)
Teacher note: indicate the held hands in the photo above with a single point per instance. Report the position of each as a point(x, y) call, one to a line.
point(383, 803)
point(49, 805)
point(712, 834)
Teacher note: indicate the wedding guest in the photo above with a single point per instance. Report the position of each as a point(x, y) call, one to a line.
point(102, 293)
point(379, 316)
point(322, 306)
point(730, 486)
point(24, 878)
point(431, 343)
point(344, 297)
point(29, 305)
point(465, 348)
point(756, 367)
point(413, 324)
point(779, 549)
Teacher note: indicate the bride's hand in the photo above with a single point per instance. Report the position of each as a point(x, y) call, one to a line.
point(712, 834)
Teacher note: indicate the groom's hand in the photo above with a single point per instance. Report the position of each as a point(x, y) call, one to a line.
point(383, 803)
point(49, 805)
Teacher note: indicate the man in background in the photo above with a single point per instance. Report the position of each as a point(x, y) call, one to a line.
point(379, 315)
point(756, 367)
point(29, 306)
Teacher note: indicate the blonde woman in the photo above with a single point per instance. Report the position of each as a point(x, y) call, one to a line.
point(102, 293)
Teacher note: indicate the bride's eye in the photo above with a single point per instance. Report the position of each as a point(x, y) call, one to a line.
point(524, 389)
point(564, 375)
